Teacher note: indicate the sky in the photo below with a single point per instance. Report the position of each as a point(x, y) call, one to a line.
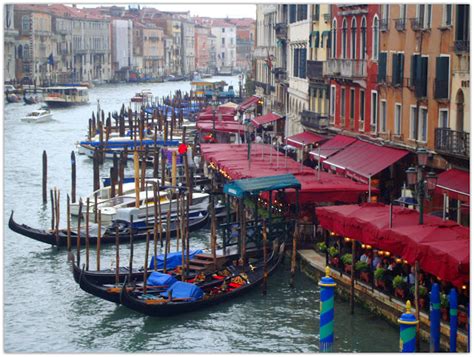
point(209, 10)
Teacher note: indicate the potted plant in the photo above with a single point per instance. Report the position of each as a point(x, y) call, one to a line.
point(378, 275)
point(347, 261)
point(444, 303)
point(462, 317)
point(422, 292)
point(363, 269)
point(322, 247)
point(334, 252)
point(399, 285)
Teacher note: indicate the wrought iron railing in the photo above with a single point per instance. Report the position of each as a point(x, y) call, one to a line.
point(316, 121)
point(461, 46)
point(384, 25)
point(416, 24)
point(452, 142)
point(281, 31)
point(346, 68)
point(400, 24)
point(314, 70)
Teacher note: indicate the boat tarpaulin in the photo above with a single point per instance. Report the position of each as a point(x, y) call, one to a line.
point(305, 138)
point(362, 160)
point(172, 260)
point(254, 186)
point(455, 183)
point(332, 146)
point(182, 290)
point(223, 127)
point(160, 279)
point(265, 119)
point(434, 243)
point(247, 103)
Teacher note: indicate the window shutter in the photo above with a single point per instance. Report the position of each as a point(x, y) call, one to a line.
point(329, 39)
point(317, 39)
point(382, 67)
point(302, 68)
point(421, 77)
point(296, 60)
point(414, 64)
point(401, 64)
point(442, 77)
point(394, 69)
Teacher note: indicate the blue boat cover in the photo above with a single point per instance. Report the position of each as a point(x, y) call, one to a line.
point(160, 279)
point(172, 260)
point(184, 290)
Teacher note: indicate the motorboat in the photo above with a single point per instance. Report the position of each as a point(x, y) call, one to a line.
point(38, 116)
point(64, 96)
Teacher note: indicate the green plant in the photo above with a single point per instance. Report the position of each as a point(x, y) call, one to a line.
point(346, 259)
point(333, 251)
point(379, 273)
point(322, 247)
point(444, 301)
point(361, 266)
point(398, 282)
point(422, 292)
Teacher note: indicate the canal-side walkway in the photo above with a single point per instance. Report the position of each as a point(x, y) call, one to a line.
point(313, 264)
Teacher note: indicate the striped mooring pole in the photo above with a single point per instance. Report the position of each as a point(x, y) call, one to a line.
point(435, 318)
point(408, 324)
point(326, 319)
point(453, 319)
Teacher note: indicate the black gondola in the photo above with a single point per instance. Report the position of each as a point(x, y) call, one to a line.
point(214, 294)
point(60, 240)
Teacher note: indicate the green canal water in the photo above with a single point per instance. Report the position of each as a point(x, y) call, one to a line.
point(45, 311)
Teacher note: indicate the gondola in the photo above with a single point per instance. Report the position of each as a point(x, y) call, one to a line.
point(60, 239)
point(238, 283)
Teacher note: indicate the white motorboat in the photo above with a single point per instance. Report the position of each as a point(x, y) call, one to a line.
point(38, 116)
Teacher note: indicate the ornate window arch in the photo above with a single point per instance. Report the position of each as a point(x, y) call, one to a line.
point(344, 38)
point(363, 38)
point(353, 40)
point(334, 38)
point(375, 38)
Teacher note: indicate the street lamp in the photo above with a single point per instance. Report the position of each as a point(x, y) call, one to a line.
point(423, 184)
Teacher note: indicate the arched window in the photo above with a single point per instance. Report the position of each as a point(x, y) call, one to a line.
point(353, 38)
point(333, 39)
point(375, 38)
point(363, 39)
point(20, 52)
point(344, 38)
point(25, 23)
point(26, 52)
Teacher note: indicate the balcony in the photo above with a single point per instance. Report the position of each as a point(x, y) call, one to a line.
point(314, 70)
point(281, 31)
point(345, 68)
point(279, 107)
point(383, 25)
point(315, 121)
point(326, 17)
point(461, 46)
point(280, 74)
point(400, 24)
point(416, 24)
point(453, 143)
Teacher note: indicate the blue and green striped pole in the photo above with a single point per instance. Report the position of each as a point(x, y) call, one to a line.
point(435, 318)
point(326, 318)
point(453, 319)
point(408, 324)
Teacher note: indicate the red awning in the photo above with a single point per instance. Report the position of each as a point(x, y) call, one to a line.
point(362, 160)
point(332, 146)
point(305, 138)
point(265, 119)
point(223, 127)
point(441, 247)
point(455, 183)
point(247, 103)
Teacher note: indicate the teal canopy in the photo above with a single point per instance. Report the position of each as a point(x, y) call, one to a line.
point(254, 186)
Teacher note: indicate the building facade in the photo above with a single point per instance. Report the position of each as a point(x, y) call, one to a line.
point(225, 34)
point(10, 34)
point(153, 51)
point(201, 48)
point(122, 47)
point(188, 47)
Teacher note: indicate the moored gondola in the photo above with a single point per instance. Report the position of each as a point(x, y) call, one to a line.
point(183, 297)
point(60, 239)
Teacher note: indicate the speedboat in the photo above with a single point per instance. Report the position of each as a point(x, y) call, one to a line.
point(38, 116)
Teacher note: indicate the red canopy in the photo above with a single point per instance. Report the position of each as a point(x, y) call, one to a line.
point(265, 161)
point(247, 103)
point(362, 160)
point(305, 138)
point(224, 127)
point(265, 119)
point(332, 146)
point(441, 247)
point(455, 183)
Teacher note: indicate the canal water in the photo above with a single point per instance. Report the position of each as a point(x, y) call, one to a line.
point(45, 311)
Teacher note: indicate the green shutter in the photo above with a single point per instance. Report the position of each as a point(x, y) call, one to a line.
point(401, 65)
point(382, 67)
point(414, 64)
point(442, 78)
point(395, 69)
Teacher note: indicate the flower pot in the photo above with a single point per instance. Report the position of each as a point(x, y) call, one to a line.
point(444, 314)
point(400, 293)
point(421, 303)
point(462, 319)
point(365, 276)
point(348, 268)
point(334, 261)
point(379, 283)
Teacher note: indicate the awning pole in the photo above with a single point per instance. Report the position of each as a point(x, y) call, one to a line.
point(302, 154)
point(390, 217)
point(319, 162)
point(370, 189)
point(444, 206)
point(286, 154)
point(459, 212)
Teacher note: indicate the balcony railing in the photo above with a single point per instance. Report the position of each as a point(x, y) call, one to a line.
point(280, 74)
point(455, 143)
point(345, 68)
point(383, 25)
point(416, 24)
point(400, 24)
point(461, 46)
point(314, 70)
point(315, 121)
point(281, 31)
point(326, 17)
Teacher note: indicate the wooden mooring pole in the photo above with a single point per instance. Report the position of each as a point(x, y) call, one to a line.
point(73, 176)
point(45, 177)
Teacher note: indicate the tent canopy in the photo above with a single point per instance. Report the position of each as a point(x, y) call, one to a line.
point(455, 183)
point(433, 242)
point(265, 119)
point(247, 103)
point(332, 146)
point(223, 127)
point(254, 186)
point(305, 138)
